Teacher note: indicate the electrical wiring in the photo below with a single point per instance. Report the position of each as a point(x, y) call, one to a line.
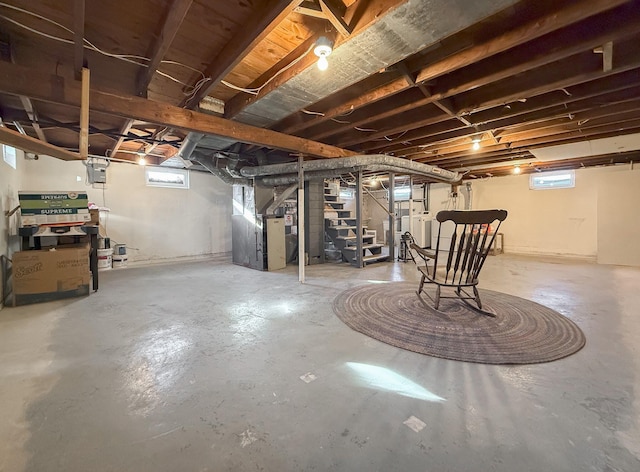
point(342, 122)
point(367, 130)
point(62, 40)
point(309, 112)
point(183, 65)
point(351, 110)
point(131, 58)
point(256, 91)
point(240, 89)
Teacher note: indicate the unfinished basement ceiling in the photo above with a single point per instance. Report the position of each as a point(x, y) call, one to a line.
point(415, 79)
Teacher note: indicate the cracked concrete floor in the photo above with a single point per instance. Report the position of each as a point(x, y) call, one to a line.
point(198, 366)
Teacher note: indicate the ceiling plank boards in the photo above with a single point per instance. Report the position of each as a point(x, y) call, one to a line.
point(173, 18)
point(357, 18)
point(257, 28)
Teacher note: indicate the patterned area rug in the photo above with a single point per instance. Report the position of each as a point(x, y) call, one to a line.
point(522, 332)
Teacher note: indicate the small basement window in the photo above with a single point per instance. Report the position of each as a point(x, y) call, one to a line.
point(347, 193)
point(555, 179)
point(402, 193)
point(9, 154)
point(172, 178)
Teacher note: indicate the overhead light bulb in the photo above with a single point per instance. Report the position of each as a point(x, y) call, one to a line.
point(142, 161)
point(516, 170)
point(476, 142)
point(324, 47)
point(323, 63)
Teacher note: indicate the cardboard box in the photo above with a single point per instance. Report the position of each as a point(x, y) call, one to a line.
point(95, 217)
point(41, 208)
point(46, 275)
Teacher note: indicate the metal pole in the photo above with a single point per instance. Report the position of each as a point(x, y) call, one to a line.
point(301, 248)
point(359, 261)
point(392, 219)
point(411, 204)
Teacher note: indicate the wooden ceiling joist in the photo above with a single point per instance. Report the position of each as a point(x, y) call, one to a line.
point(78, 38)
point(173, 17)
point(334, 11)
point(552, 22)
point(18, 80)
point(261, 23)
point(172, 20)
point(374, 9)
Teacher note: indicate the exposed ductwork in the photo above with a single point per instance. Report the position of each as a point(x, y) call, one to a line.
point(274, 175)
point(374, 162)
point(188, 146)
point(215, 165)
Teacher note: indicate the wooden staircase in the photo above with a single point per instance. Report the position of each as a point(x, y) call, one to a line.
point(340, 227)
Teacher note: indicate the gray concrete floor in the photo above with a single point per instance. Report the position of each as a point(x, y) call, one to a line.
point(197, 367)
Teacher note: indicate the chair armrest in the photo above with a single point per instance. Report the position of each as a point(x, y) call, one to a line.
point(423, 253)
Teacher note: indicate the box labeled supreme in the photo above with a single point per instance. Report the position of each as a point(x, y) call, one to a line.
point(42, 208)
point(46, 275)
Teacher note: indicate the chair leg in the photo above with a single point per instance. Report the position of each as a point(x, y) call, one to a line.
point(437, 299)
point(421, 285)
point(477, 295)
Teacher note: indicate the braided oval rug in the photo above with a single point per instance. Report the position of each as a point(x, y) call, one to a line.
point(522, 332)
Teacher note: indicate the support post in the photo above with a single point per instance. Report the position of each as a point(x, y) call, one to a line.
point(392, 219)
point(84, 115)
point(301, 248)
point(411, 204)
point(359, 255)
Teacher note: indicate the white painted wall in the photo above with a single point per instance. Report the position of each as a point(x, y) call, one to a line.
point(156, 224)
point(10, 180)
point(619, 218)
point(599, 219)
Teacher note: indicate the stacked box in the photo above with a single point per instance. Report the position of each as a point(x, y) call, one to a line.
point(48, 208)
point(46, 275)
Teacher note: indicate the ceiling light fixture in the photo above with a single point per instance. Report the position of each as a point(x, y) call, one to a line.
point(517, 170)
point(323, 48)
point(476, 143)
point(141, 160)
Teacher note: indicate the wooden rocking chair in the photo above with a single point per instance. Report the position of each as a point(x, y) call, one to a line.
point(458, 264)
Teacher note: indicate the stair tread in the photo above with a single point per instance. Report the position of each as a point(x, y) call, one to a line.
point(364, 246)
point(366, 259)
point(342, 227)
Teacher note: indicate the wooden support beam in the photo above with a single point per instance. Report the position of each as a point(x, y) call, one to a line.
point(261, 23)
point(124, 131)
point(84, 114)
point(27, 143)
point(607, 56)
point(78, 38)
point(334, 12)
point(310, 8)
point(18, 80)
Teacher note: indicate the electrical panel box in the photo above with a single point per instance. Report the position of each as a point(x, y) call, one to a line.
point(97, 173)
